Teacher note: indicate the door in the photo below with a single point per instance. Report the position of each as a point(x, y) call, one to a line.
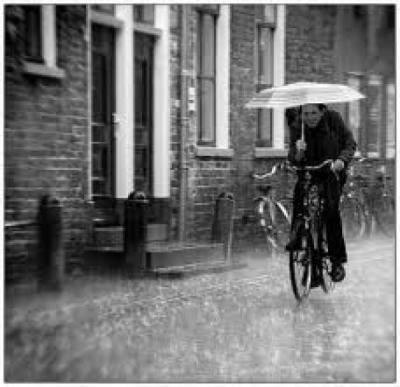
point(144, 45)
point(103, 106)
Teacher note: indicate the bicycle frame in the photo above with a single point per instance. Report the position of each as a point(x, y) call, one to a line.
point(267, 207)
point(312, 229)
point(313, 202)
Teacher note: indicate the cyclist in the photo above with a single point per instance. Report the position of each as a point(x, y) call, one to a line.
point(325, 137)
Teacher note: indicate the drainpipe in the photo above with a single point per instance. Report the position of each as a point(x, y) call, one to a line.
point(184, 122)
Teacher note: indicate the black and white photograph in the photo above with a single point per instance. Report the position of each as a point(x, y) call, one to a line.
point(199, 192)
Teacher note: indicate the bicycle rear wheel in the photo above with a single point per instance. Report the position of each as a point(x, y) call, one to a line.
point(282, 224)
point(275, 221)
point(353, 218)
point(385, 214)
point(300, 269)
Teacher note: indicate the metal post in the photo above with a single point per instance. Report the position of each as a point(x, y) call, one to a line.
point(223, 222)
point(135, 230)
point(51, 257)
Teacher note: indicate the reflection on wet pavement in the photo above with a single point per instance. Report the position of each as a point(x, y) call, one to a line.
point(238, 326)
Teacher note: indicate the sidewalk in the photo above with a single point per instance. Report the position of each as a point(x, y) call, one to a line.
point(210, 327)
point(86, 290)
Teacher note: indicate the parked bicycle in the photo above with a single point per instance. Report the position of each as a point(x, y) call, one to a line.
point(353, 205)
point(270, 213)
point(310, 265)
point(381, 202)
point(367, 204)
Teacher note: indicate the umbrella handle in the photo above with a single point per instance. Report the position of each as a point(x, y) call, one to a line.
point(302, 129)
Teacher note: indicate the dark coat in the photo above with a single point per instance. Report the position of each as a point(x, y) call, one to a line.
point(330, 139)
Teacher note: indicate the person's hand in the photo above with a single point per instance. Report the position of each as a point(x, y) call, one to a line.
point(337, 165)
point(300, 145)
point(300, 148)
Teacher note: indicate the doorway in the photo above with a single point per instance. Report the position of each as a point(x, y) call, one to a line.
point(103, 106)
point(143, 77)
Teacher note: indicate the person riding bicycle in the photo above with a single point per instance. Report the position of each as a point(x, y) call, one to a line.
point(325, 137)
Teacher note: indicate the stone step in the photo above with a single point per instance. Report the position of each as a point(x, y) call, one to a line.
point(159, 255)
point(195, 269)
point(157, 232)
point(114, 235)
point(108, 236)
point(169, 254)
point(104, 259)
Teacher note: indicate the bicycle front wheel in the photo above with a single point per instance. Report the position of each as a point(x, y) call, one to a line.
point(353, 218)
point(325, 268)
point(300, 269)
point(385, 214)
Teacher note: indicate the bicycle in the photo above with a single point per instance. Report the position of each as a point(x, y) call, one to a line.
point(353, 206)
point(310, 263)
point(272, 216)
point(367, 203)
point(381, 202)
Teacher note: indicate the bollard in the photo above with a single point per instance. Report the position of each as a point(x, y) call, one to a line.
point(223, 222)
point(51, 257)
point(135, 229)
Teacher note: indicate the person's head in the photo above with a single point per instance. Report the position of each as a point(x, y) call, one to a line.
point(312, 114)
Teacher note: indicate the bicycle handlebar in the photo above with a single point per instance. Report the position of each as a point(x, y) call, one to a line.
point(293, 168)
point(267, 174)
point(310, 167)
point(313, 167)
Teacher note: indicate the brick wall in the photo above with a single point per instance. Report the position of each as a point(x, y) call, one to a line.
point(45, 141)
point(310, 43)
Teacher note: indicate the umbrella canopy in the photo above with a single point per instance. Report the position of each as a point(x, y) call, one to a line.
point(302, 93)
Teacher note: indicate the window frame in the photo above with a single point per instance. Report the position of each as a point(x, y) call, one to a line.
point(278, 147)
point(138, 9)
point(262, 141)
point(390, 119)
point(375, 81)
point(33, 33)
point(202, 11)
point(47, 67)
point(360, 137)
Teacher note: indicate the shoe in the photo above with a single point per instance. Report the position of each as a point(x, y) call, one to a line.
point(315, 278)
point(293, 244)
point(315, 282)
point(338, 273)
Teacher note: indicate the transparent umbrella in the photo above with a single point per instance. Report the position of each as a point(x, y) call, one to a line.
point(303, 93)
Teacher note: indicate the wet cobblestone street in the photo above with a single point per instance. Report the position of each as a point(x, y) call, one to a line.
point(238, 326)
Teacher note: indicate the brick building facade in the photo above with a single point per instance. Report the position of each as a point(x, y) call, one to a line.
point(168, 85)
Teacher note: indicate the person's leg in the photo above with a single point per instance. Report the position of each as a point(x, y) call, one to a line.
point(336, 243)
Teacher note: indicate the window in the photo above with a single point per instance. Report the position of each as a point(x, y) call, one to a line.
point(269, 68)
point(41, 42)
point(390, 120)
point(390, 16)
point(144, 14)
point(206, 79)
point(375, 96)
point(354, 108)
point(33, 33)
point(108, 9)
point(265, 67)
